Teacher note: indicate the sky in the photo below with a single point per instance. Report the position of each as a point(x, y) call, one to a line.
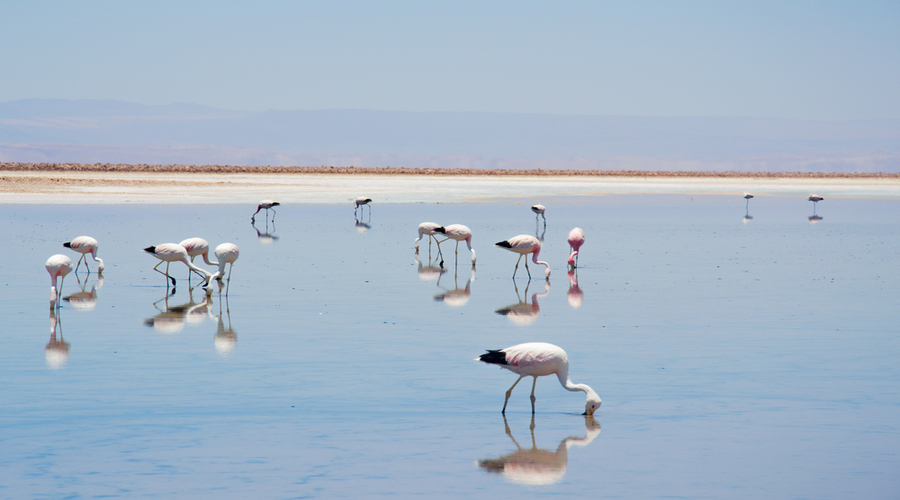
point(822, 60)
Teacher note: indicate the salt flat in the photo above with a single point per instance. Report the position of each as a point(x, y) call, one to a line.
point(52, 187)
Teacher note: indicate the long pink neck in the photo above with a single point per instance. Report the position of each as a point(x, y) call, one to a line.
point(534, 258)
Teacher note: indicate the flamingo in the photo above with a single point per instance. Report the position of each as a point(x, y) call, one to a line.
point(267, 205)
point(537, 359)
point(195, 247)
point(525, 244)
point(173, 252)
point(86, 245)
point(361, 201)
point(576, 239)
point(428, 228)
point(227, 253)
point(58, 266)
point(539, 211)
point(815, 199)
point(459, 233)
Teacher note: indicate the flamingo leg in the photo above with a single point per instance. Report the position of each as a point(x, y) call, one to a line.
point(526, 268)
point(532, 394)
point(517, 266)
point(510, 392)
point(79, 263)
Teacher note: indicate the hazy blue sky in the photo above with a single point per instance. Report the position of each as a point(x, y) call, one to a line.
point(783, 59)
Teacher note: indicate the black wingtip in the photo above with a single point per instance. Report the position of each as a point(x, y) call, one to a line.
point(494, 357)
point(504, 244)
point(440, 230)
point(67, 244)
point(275, 204)
point(150, 250)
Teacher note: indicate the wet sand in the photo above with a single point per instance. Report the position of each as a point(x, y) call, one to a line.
point(33, 183)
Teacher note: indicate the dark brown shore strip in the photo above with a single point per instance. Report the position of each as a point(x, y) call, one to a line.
point(238, 169)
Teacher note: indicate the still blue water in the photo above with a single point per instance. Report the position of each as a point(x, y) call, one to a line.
point(735, 357)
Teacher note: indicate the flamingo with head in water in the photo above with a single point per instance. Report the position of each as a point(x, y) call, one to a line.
point(267, 205)
point(173, 252)
point(537, 359)
point(575, 239)
point(525, 244)
point(195, 247)
point(428, 229)
point(86, 245)
point(459, 233)
point(58, 266)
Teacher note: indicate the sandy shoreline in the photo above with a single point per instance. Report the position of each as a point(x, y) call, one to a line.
point(114, 184)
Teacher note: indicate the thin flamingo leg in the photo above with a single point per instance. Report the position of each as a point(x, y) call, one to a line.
point(510, 392)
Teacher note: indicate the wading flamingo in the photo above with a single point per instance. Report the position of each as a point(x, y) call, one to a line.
point(363, 201)
point(58, 266)
point(539, 211)
point(575, 239)
point(459, 233)
point(429, 229)
point(815, 199)
point(537, 359)
point(173, 252)
point(227, 253)
point(525, 244)
point(195, 247)
point(86, 245)
point(267, 205)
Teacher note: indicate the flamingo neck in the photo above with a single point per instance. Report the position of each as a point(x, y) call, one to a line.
point(567, 384)
point(534, 258)
point(207, 261)
point(204, 272)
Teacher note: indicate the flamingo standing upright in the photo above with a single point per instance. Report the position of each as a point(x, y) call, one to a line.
point(429, 229)
point(815, 199)
point(58, 266)
point(86, 245)
point(226, 253)
point(459, 233)
point(525, 244)
point(173, 252)
point(575, 239)
point(537, 359)
point(267, 205)
point(195, 247)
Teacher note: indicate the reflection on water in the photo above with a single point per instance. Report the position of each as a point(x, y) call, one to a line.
point(266, 236)
point(458, 296)
point(538, 233)
point(428, 272)
point(226, 338)
point(362, 227)
point(523, 313)
point(575, 296)
point(57, 350)
point(535, 466)
point(84, 300)
point(814, 218)
point(172, 318)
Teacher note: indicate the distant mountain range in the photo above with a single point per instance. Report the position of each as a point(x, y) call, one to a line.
point(91, 131)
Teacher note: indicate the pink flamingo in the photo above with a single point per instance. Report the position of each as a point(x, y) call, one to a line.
point(173, 252)
point(525, 244)
point(576, 239)
point(537, 359)
point(429, 229)
point(363, 201)
point(195, 247)
point(227, 253)
point(539, 210)
point(86, 245)
point(459, 233)
point(58, 266)
point(267, 205)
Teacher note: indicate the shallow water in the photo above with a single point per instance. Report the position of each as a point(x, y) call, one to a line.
point(734, 357)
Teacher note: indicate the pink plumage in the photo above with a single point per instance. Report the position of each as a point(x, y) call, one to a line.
point(525, 244)
point(575, 239)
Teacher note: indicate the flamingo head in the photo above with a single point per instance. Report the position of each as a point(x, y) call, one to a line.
point(100, 266)
point(592, 403)
point(571, 260)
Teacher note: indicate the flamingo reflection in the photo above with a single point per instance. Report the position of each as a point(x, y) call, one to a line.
point(575, 296)
point(268, 236)
point(56, 352)
point(430, 272)
point(535, 466)
point(362, 227)
point(226, 338)
point(458, 296)
point(172, 319)
point(523, 313)
point(84, 300)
